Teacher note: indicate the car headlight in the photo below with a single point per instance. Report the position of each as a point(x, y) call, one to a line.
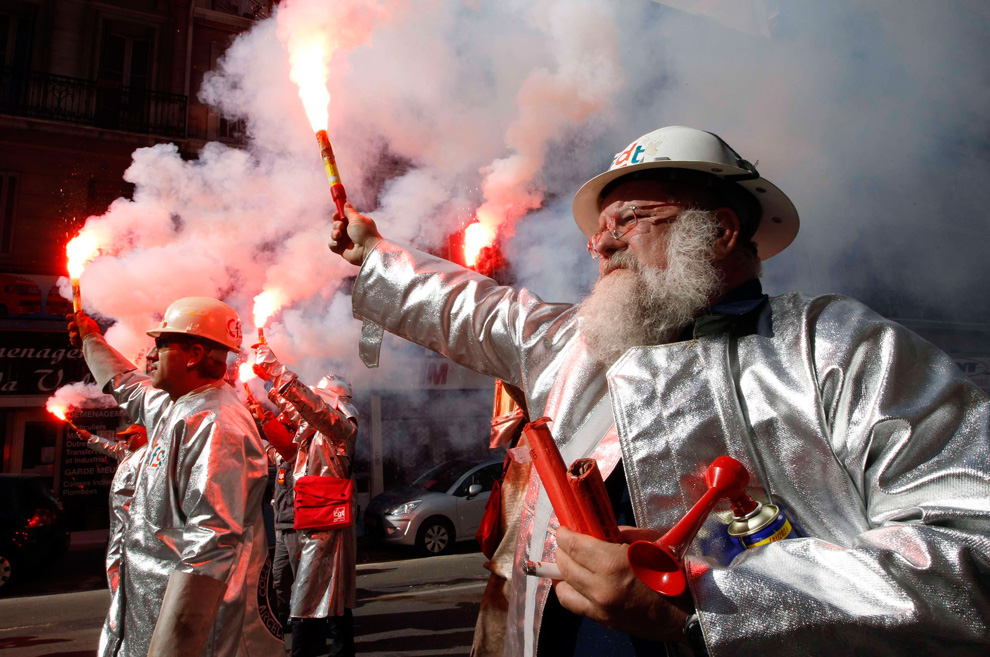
point(403, 509)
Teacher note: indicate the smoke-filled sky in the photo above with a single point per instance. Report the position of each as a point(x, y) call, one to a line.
point(872, 116)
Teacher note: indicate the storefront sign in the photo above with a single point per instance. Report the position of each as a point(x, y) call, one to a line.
point(38, 362)
point(86, 475)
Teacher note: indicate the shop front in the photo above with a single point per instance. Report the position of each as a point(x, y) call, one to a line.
point(35, 360)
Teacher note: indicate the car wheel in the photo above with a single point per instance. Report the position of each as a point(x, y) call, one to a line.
point(5, 571)
point(435, 536)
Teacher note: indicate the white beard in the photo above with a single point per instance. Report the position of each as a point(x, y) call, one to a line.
point(636, 305)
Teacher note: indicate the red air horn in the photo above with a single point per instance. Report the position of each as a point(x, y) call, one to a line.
point(658, 564)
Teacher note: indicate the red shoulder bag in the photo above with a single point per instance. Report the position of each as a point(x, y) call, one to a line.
point(323, 503)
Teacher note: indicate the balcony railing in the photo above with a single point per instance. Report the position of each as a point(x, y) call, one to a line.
point(253, 9)
point(109, 106)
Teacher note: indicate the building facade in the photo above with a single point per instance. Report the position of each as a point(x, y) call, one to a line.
point(82, 85)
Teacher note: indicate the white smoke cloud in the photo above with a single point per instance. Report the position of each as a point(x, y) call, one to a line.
point(439, 109)
point(871, 116)
point(79, 395)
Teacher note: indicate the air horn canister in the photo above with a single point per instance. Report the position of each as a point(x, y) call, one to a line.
point(659, 564)
point(755, 524)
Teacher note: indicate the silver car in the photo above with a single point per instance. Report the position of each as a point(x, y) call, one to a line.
point(441, 507)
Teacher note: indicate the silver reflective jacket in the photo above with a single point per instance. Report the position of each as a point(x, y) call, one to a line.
point(121, 494)
point(326, 578)
point(872, 439)
point(196, 506)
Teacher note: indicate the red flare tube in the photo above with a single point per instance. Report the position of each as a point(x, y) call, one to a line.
point(550, 466)
point(261, 335)
point(82, 432)
point(251, 398)
point(337, 192)
point(76, 295)
point(585, 480)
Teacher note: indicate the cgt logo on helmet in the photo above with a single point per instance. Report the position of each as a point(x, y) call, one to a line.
point(632, 155)
point(234, 328)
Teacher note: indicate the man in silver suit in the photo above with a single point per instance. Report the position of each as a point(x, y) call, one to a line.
point(128, 450)
point(325, 587)
point(194, 540)
point(872, 439)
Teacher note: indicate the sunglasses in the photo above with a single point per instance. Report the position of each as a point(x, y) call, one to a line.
point(163, 342)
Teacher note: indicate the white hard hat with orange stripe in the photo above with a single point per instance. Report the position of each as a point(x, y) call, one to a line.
point(677, 147)
point(202, 317)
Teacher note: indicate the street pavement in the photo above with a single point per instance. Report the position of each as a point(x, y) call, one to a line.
point(62, 624)
point(407, 607)
point(419, 607)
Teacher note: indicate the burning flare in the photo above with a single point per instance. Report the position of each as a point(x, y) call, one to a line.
point(80, 249)
point(245, 372)
point(61, 412)
point(476, 237)
point(56, 409)
point(309, 70)
point(266, 304)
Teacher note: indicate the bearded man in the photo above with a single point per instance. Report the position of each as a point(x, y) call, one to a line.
point(867, 435)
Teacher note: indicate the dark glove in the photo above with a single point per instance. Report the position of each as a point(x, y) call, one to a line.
point(81, 325)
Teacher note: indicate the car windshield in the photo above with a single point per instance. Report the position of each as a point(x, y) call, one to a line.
point(442, 477)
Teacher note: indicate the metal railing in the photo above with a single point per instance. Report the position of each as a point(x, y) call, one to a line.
point(252, 9)
point(87, 102)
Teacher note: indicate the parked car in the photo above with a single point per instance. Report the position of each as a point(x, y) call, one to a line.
point(33, 530)
point(443, 506)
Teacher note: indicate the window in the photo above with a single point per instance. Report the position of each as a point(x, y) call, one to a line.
point(486, 476)
point(16, 32)
point(8, 203)
point(16, 40)
point(219, 126)
point(125, 58)
point(124, 76)
point(233, 130)
point(39, 445)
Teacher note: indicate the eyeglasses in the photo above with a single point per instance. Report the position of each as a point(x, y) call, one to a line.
point(621, 224)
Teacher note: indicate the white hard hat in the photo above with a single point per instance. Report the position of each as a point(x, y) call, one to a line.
point(336, 391)
point(677, 147)
point(202, 317)
point(336, 385)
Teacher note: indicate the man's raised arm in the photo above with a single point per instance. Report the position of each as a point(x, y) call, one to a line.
point(132, 390)
point(467, 317)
